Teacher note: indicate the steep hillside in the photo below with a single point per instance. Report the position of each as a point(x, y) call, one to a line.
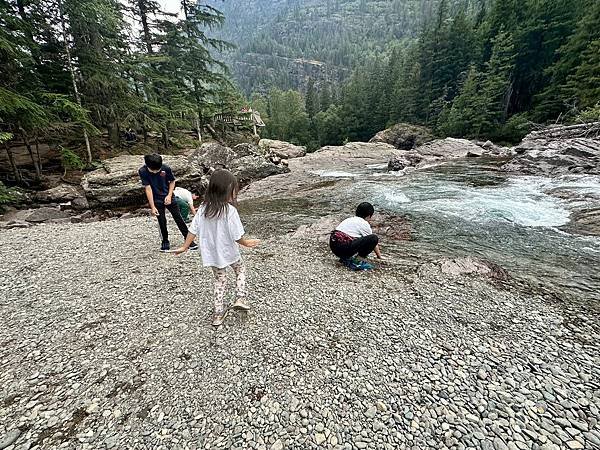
point(284, 43)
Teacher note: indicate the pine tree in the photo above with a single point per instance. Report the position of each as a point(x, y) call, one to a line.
point(325, 99)
point(498, 81)
point(312, 100)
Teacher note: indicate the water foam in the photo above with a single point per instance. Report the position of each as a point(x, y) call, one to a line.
point(521, 201)
point(333, 174)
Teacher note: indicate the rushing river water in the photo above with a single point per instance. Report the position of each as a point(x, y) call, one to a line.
point(469, 208)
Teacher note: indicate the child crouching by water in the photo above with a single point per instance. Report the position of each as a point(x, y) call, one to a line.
point(354, 236)
point(219, 229)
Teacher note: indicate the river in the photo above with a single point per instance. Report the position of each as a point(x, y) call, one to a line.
point(469, 208)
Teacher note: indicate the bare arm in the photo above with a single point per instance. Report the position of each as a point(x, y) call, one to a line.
point(169, 197)
point(150, 198)
point(192, 208)
point(378, 252)
point(250, 243)
point(188, 241)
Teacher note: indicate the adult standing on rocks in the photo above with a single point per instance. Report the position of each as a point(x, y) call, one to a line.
point(159, 183)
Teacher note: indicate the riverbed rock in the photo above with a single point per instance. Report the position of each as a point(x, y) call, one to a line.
point(473, 266)
point(450, 148)
point(404, 136)
point(405, 159)
point(58, 194)
point(244, 161)
point(558, 150)
point(282, 149)
point(45, 214)
point(433, 151)
point(117, 183)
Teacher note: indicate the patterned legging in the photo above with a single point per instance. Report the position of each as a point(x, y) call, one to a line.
point(221, 284)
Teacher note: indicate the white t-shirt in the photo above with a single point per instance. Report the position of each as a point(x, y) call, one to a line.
point(217, 237)
point(355, 227)
point(184, 194)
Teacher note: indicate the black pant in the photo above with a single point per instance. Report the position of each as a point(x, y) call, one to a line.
point(162, 220)
point(362, 246)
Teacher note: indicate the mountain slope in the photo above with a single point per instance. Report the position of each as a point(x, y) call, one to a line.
point(284, 43)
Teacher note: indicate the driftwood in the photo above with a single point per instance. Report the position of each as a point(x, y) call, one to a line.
point(586, 130)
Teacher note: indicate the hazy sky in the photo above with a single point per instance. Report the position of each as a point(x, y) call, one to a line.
point(172, 6)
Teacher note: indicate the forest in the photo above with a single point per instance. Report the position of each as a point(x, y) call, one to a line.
point(82, 76)
point(490, 72)
point(78, 75)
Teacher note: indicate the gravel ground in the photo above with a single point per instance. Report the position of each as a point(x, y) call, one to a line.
point(105, 343)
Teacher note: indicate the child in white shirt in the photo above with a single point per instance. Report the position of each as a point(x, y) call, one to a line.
point(354, 236)
point(219, 229)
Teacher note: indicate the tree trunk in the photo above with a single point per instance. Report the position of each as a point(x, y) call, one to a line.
point(37, 152)
point(113, 134)
point(145, 26)
point(73, 77)
point(198, 130)
point(38, 172)
point(13, 165)
point(165, 138)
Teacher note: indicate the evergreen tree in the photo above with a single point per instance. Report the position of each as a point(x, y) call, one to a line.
point(312, 100)
point(325, 99)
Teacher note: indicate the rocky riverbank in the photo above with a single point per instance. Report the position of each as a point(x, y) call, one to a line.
point(107, 344)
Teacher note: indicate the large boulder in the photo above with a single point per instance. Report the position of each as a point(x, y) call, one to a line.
point(450, 148)
point(282, 149)
point(46, 214)
point(117, 183)
point(59, 194)
point(403, 160)
point(437, 150)
point(557, 151)
point(244, 161)
point(404, 136)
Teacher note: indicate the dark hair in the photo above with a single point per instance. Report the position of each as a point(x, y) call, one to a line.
point(222, 188)
point(365, 210)
point(153, 161)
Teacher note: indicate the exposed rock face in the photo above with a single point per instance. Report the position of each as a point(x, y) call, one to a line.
point(244, 161)
point(118, 183)
point(404, 160)
point(45, 214)
point(437, 150)
point(450, 148)
point(404, 136)
point(58, 194)
point(282, 149)
point(558, 151)
point(473, 266)
point(306, 173)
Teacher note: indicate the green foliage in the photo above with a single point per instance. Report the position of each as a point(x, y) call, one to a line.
point(5, 137)
point(485, 70)
point(71, 67)
point(287, 117)
point(71, 160)
point(590, 114)
point(7, 196)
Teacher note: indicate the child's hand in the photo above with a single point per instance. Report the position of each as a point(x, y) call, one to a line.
point(180, 251)
point(251, 243)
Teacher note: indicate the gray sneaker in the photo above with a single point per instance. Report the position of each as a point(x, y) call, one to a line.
point(241, 305)
point(219, 318)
